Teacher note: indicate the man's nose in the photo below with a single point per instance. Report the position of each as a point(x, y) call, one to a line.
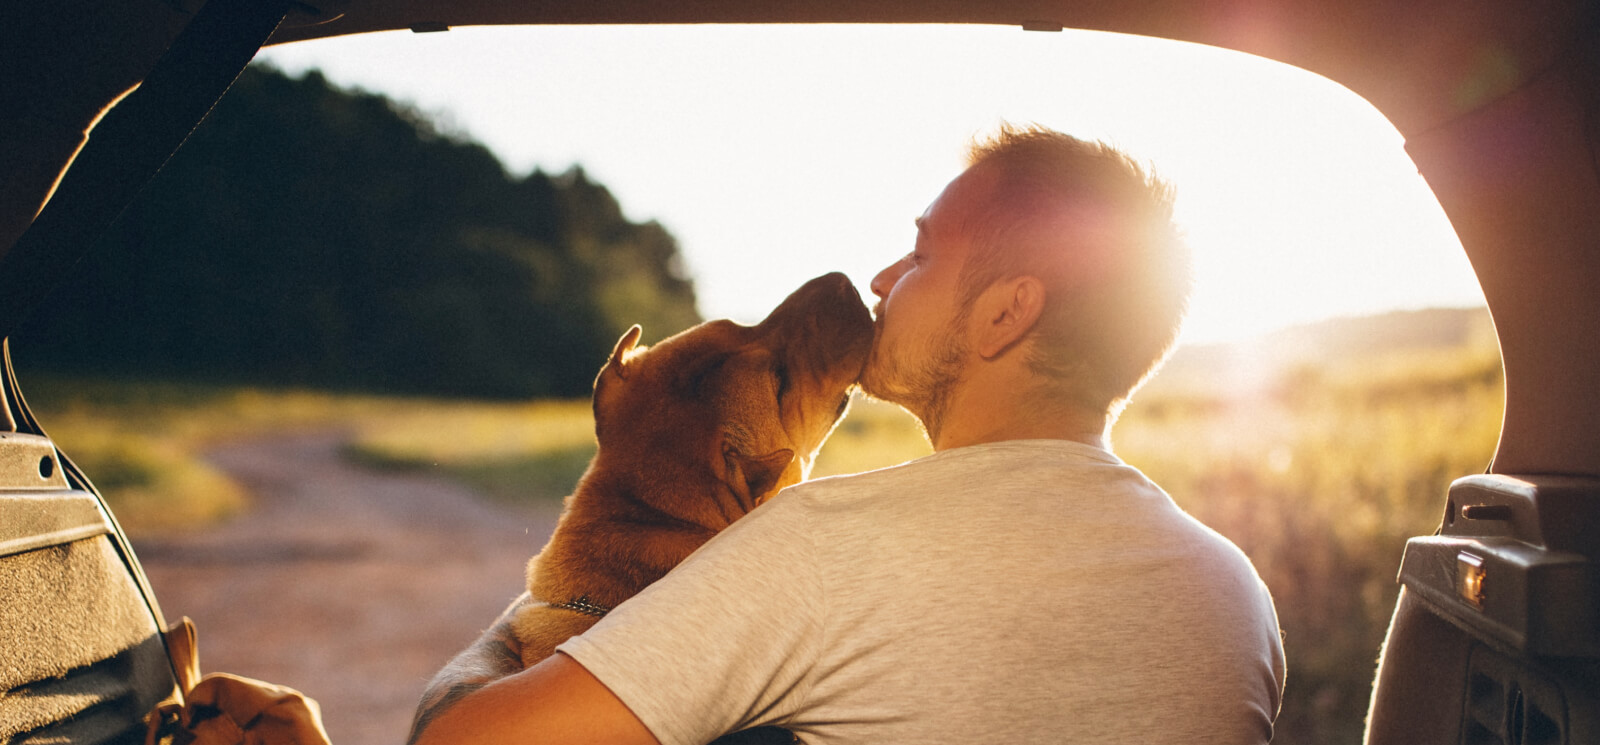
point(884, 282)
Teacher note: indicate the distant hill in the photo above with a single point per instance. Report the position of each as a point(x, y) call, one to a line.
point(1335, 346)
point(1398, 331)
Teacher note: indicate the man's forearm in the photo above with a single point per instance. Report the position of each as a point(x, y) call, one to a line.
point(556, 702)
point(493, 656)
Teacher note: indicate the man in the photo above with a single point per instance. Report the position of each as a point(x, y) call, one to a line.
point(1021, 584)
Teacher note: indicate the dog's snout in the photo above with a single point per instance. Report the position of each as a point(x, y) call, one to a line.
point(830, 295)
point(833, 285)
point(842, 311)
point(847, 290)
point(839, 281)
point(822, 322)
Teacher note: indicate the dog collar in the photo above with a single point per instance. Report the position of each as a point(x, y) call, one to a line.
point(582, 605)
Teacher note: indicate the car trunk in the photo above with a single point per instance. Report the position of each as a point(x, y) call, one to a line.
point(1500, 105)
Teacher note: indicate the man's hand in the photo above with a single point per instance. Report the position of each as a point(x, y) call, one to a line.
point(493, 656)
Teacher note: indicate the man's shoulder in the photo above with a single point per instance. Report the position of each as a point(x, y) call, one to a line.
point(975, 463)
point(888, 477)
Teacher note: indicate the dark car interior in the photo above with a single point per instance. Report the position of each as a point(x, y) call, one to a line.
point(1496, 637)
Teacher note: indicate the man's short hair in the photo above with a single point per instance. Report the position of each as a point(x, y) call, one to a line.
point(1096, 227)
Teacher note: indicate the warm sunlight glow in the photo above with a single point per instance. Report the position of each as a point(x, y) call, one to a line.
point(776, 154)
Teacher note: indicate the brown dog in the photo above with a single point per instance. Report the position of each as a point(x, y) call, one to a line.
point(693, 433)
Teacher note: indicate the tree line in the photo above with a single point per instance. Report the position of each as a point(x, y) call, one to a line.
point(309, 235)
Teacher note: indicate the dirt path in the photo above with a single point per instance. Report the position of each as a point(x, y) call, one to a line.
point(351, 585)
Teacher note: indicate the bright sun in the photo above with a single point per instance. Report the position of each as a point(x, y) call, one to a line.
point(779, 153)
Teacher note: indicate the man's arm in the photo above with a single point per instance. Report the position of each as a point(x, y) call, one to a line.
point(556, 701)
point(494, 655)
point(484, 695)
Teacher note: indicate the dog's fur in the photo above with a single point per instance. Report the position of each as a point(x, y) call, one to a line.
point(693, 433)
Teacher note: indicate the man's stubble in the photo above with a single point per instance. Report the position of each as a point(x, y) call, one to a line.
point(921, 386)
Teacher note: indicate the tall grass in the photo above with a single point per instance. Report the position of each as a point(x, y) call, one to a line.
point(1319, 473)
point(517, 452)
point(509, 452)
point(141, 442)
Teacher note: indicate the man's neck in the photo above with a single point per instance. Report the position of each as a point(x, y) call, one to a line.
point(1095, 439)
point(982, 413)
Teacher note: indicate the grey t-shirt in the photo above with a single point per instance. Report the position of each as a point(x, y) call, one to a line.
point(1033, 591)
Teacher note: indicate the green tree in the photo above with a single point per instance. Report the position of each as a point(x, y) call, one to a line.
point(311, 235)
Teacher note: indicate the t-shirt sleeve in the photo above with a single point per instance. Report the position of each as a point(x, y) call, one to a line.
point(725, 640)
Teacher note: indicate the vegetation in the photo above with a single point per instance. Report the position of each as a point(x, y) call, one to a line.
point(312, 236)
point(510, 452)
point(143, 443)
point(537, 451)
point(1318, 467)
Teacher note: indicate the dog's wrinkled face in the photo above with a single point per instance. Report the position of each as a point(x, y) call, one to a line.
point(751, 403)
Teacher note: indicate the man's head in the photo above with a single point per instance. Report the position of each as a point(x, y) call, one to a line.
point(1079, 224)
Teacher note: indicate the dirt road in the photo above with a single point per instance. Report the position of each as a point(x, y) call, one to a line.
point(351, 585)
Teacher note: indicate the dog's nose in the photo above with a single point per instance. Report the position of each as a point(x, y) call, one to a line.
point(844, 293)
point(845, 289)
point(832, 282)
point(833, 287)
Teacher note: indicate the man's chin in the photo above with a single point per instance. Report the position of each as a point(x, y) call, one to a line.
point(878, 387)
point(899, 397)
point(874, 382)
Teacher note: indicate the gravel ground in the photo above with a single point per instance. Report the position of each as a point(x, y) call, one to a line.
point(350, 585)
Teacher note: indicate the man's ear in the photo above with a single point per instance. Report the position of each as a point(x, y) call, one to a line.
point(751, 477)
point(1006, 312)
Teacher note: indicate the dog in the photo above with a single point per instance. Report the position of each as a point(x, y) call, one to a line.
point(693, 433)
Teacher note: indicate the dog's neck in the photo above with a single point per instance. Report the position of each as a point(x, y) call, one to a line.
point(616, 538)
point(653, 496)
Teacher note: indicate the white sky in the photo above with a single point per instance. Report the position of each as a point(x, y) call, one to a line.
point(776, 154)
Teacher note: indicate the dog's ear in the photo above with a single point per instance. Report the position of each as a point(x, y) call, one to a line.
point(618, 364)
point(616, 370)
point(752, 476)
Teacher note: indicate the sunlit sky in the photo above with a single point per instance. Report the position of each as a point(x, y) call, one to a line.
point(776, 154)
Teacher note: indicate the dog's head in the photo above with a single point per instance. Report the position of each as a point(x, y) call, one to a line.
point(742, 409)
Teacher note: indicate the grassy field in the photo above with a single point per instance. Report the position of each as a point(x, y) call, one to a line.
point(1320, 475)
point(1319, 471)
point(537, 451)
point(141, 443)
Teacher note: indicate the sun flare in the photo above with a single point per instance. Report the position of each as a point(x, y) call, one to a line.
point(776, 154)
